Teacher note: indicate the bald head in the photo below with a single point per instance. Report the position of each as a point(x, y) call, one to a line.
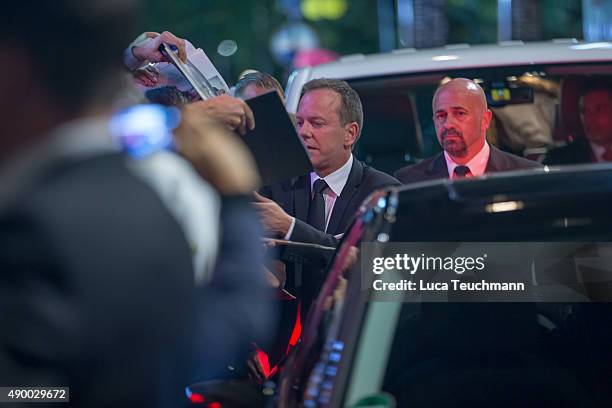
point(461, 118)
point(465, 87)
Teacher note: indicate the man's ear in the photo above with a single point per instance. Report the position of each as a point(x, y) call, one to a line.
point(350, 135)
point(486, 120)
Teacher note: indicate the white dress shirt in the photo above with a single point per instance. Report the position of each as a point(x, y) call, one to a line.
point(335, 182)
point(598, 152)
point(477, 165)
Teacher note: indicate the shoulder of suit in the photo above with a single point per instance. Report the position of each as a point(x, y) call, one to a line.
point(377, 177)
point(518, 161)
point(526, 162)
point(275, 188)
point(417, 168)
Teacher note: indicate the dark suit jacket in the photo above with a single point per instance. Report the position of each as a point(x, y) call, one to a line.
point(294, 197)
point(435, 168)
point(96, 287)
point(579, 151)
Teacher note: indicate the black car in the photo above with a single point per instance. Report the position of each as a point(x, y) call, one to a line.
point(359, 349)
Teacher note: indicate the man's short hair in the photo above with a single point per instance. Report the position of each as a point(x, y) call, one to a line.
point(258, 79)
point(592, 85)
point(168, 96)
point(74, 46)
point(350, 104)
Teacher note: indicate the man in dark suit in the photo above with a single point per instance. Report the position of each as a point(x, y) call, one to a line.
point(596, 116)
point(318, 207)
point(461, 119)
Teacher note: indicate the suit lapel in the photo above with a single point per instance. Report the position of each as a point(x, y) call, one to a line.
point(301, 197)
point(495, 162)
point(437, 168)
point(345, 197)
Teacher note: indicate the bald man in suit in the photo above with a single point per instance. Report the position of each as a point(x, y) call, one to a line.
point(461, 119)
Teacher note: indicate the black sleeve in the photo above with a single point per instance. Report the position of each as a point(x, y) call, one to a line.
point(302, 232)
point(237, 301)
point(266, 191)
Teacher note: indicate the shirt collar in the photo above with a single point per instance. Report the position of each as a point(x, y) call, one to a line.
point(336, 180)
point(477, 165)
point(598, 151)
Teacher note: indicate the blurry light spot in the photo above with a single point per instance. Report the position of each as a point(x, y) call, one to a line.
point(591, 46)
point(472, 86)
point(195, 398)
point(382, 202)
point(227, 48)
point(504, 206)
point(334, 357)
point(511, 78)
point(328, 9)
point(445, 80)
point(383, 237)
point(445, 57)
point(141, 130)
point(572, 222)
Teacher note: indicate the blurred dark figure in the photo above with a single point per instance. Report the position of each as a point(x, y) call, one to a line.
point(596, 116)
point(96, 280)
point(236, 302)
point(256, 83)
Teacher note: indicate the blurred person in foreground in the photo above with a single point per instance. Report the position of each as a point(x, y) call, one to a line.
point(461, 118)
point(96, 279)
point(595, 105)
point(244, 313)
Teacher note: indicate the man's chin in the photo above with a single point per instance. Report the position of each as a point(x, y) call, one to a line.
point(455, 149)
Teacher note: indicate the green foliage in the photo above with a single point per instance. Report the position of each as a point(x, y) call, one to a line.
point(252, 23)
point(561, 18)
point(472, 21)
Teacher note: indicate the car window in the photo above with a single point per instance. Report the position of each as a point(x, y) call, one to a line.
point(534, 107)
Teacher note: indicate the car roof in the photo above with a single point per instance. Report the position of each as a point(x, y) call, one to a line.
point(520, 205)
point(450, 57)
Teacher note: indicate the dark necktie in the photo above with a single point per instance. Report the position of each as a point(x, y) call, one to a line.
point(462, 171)
point(316, 211)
